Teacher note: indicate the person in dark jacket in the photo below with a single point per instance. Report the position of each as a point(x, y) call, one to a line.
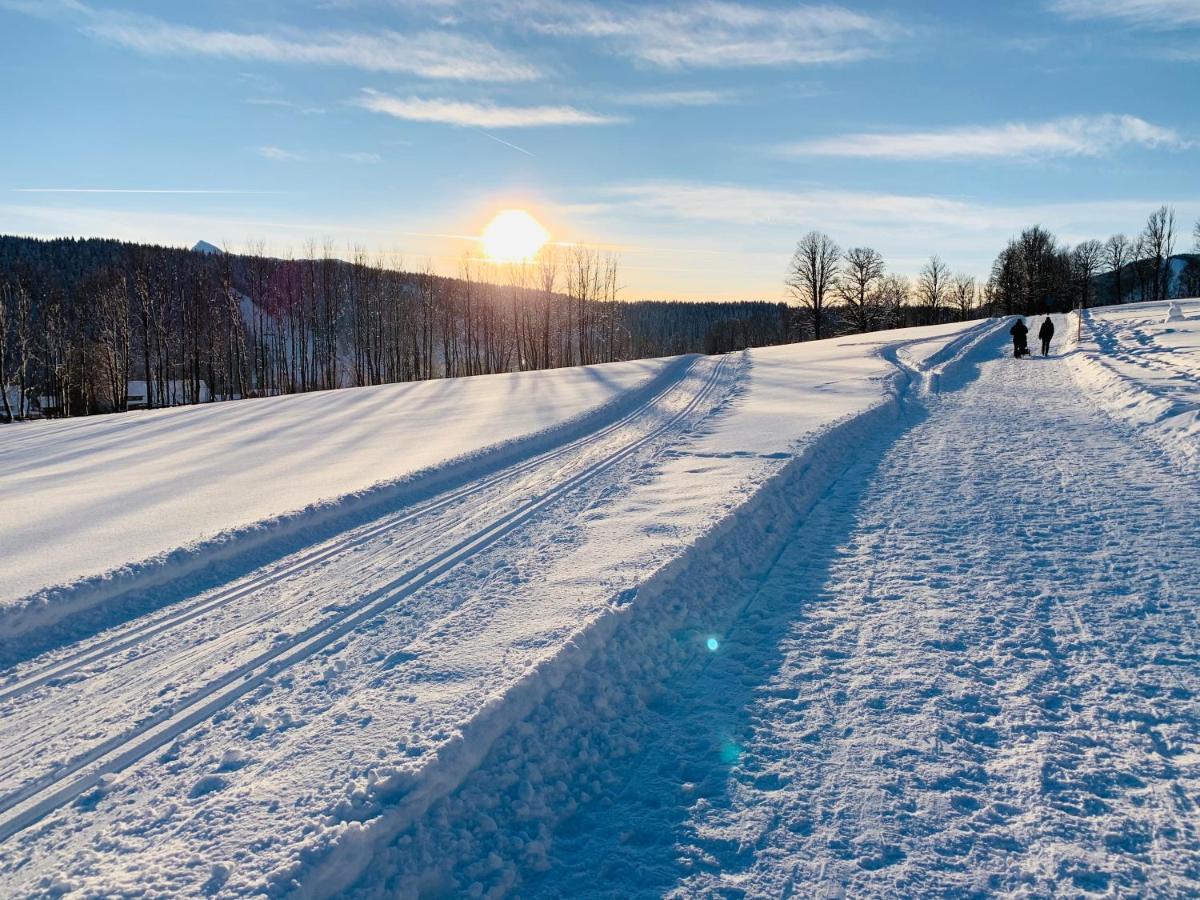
point(1045, 333)
point(1020, 336)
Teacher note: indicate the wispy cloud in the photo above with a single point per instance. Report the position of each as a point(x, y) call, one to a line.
point(45, 9)
point(677, 34)
point(431, 54)
point(676, 98)
point(1162, 15)
point(478, 115)
point(713, 33)
point(362, 158)
point(1074, 136)
point(905, 227)
point(434, 54)
point(287, 104)
point(278, 154)
point(742, 205)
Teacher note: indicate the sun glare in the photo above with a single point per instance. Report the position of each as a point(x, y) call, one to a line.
point(513, 236)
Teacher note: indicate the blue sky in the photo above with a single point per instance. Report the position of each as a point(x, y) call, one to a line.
point(698, 139)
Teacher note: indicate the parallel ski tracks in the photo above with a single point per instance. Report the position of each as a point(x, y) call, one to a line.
point(153, 625)
point(28, 805)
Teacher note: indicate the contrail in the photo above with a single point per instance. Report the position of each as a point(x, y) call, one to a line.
point(504, 142)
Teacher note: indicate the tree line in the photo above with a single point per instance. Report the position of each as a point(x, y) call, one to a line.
point(91, 326)
point(851, 291)
point(95, 325)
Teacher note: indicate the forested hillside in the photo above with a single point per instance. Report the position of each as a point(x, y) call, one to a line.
point(83, 319)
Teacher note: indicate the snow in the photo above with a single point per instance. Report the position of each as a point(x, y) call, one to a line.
point(207, 248)
point(358, 681)
point(891, 614)
point(1143, 367)
point(955, 678)
point(99, 503)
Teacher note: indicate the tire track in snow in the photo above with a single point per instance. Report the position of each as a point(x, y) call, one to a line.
point(25, 807)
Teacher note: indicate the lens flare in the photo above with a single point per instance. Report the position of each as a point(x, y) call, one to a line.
point(712, 643)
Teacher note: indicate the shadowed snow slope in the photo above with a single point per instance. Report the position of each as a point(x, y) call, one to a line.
point(282, 730)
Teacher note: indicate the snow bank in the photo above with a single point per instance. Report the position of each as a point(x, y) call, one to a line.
point(96, 508)
point(1141, 363)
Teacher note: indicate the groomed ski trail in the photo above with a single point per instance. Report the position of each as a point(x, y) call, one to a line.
point(99, 708)
point(972, 671)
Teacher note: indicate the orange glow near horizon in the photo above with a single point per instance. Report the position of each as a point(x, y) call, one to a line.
point(512, 236)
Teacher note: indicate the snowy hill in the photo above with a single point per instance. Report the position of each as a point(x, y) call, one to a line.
point(207, 248)
point(790, 621)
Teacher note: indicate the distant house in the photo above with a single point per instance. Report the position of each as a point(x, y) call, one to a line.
point(172, 393)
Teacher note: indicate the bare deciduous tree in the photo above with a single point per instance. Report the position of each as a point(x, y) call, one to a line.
point(933, 286)
point(893, 295)
point(965, 295)
point(1116, 254)
point(862, 269)
point(813, 274)
point(1159, 239)
point(5, 291)
point(1086, 260)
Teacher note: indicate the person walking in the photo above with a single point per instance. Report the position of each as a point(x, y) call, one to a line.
point(1020, 336)
point(1045, 333)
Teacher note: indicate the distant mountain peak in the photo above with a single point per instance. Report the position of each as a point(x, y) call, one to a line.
point(206, 247)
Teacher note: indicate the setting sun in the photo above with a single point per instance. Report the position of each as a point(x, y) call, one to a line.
point(513, 236)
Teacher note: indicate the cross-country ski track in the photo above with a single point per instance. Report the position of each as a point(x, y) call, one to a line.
point(893, 614)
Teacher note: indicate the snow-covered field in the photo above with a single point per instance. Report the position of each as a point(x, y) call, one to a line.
point(793, 621)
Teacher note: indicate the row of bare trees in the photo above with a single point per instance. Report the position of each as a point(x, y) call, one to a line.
point(853, 291)
point(1035, 273)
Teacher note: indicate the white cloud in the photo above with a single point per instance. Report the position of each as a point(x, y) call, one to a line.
point(278, 154)
point(676, 98)
point(362, 158)
point(1075, 136)
point(766, 206)
point(287, 104)
point(478, 115)
point(1161, 15)
point(907, 228)
point(45, 9)
point(712, 33)
point(427, 54)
